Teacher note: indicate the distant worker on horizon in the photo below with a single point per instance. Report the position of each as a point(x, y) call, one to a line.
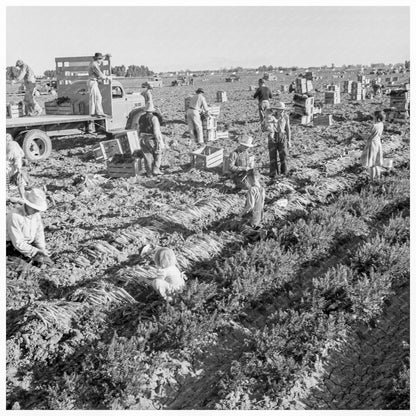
point(26, 74)
point(263, 94)
point(197, 105)
point(95, 76)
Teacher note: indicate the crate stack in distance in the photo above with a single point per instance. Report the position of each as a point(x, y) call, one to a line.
point(333, 95)
point(221, 96)
point(347, 87)
point(303, 86)
point(400, 103)
point(356, 91)
point(209, 124)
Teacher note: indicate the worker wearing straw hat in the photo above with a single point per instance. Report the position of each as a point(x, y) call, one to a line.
point(197, 105)
point(24, 228)
point(147, 93)
point(151, 141)
point(279, 139)
point(95, 76)
point(240, 160)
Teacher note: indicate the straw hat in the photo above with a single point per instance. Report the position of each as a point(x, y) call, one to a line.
point(35, 199)
point(98, 55)
point(150, 108)
point(147, 85)
point(246, 141)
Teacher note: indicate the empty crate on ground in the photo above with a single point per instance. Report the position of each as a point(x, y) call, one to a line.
point(129, 141)
point(207, 157)
point(107, 149)
point(221, 96)
point(322, 120)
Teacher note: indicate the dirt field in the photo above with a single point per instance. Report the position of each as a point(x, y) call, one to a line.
point(261, 324)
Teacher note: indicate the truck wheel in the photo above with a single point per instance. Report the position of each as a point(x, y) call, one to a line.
point(37, 145)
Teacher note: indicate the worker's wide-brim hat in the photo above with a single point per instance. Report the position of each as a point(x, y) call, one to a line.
point(280, 106)
point(19, 62)
point(199, 90)
point(147, 85)
point(98, 55)
point(150, 108)
point(36, 199)
point(246, 141)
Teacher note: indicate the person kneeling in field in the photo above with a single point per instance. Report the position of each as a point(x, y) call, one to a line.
point(169, 279)
point(24, 228)
point(372, 156)
point(254, 199)
point(240, 161)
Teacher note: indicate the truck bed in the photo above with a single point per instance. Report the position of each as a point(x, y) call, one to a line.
point(47, 120)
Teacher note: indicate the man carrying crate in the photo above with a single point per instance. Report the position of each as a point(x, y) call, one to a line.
point(197, 105)
point(151, 141)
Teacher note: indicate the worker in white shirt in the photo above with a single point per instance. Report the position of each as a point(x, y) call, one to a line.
point(24, 228)
point(96, 76)
point(14, 163)
point(197, 105)
point(26, 74)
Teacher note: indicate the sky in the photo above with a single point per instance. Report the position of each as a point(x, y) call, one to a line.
point(197, 38)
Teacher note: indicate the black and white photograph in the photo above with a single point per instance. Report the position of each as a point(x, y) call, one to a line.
point(207, 207)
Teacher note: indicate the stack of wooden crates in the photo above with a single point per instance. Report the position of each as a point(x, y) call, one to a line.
point(303, 86)
point(209, 124)
point(221, 96)
point(303, 106)
point(15, 110)
point(356, 91)
point(400, 103)
point(347, 87)
point(333, 95)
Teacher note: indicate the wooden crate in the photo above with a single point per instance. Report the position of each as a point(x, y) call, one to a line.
point(301, 87)
point(125, 169)
point(221, 96)
point(323, 120)
point(52, 108)
point(187, 101)
point(309, 86)
point(347, 86)
point(303, 120)
point(129, 141)
point(284, 88)
point(14, 110)
point(207, 157)
point(221, 135)
point(107, 149)
point(209, 123)
point(215, 110)
point(332, 97)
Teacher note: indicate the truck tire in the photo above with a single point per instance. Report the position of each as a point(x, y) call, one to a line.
point(36, 145)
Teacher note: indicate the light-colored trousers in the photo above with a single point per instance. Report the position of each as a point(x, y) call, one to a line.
point(195, 125)
point(263, 106)
point(96, 100)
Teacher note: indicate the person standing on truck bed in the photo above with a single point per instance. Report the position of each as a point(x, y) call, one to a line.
point(197, 105)
point(95, 76)
point(151, 141)
point(26, 74)
point(263, 94)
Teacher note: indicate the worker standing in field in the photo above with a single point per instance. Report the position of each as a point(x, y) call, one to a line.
point(263, 95)
point(26, 74)
point(151, 141)
point(24, 229)
point(197, 105)
point(240, 161)
point(279, 139)
point(372, 156)
point(147, 93)
point(96, 76)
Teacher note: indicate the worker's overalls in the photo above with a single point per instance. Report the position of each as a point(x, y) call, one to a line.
point(151, 148)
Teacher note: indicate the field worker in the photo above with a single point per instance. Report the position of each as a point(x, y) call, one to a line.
point(240, 161)
point(169, 279)
point(372, 156)
point(24, 228)
point(96, 76)
point(197, 104)
point(151, 141)
point(279, 140)
point(147, 93)
point(254, 199)
point(263, 94)
point(27, 75)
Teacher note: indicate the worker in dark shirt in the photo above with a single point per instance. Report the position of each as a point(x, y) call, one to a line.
point(263, 94)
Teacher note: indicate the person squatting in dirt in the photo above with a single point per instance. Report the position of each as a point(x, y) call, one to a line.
point(151, 141)
point(263, 95)
point(197, 105)
point(277, 125)
point(26, 74)
point(169, 278)
point(95, 75)
point(254, 199)
point(372, 155)
point(24, 229)
point(240, 161)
